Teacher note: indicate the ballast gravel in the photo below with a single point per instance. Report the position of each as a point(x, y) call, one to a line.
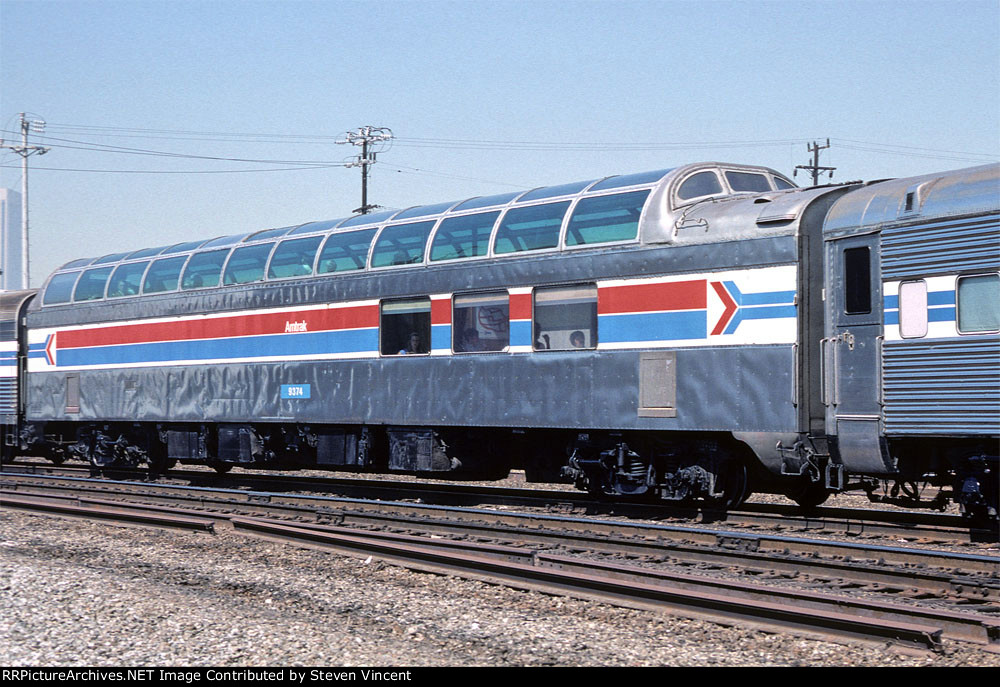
point(76, 593)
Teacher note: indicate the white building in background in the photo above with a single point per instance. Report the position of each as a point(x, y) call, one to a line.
point(10, 240)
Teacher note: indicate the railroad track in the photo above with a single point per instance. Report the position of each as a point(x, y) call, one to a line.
point(863, 523)
point(916, 598)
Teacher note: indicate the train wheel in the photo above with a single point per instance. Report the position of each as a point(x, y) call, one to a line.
point(220, 467)
point(809, 494)
point(735, 482)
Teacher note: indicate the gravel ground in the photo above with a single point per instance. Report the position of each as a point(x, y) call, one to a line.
point(77, 593)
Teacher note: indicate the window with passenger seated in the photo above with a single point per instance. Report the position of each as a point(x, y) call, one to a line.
point(481, 322)
point(345, 252)
point(204, 269)
point(535, 227)
point(978, 303)
point(91, 284)
point(701, 184)
point(127, 279)
point(405, 327)
point(604, 219)
point(247, 264)
point(565, 317)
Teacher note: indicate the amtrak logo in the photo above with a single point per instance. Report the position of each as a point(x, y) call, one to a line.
point(50, 349)
point(738, 306)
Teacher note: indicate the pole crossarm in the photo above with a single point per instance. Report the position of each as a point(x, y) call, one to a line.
point(368, 137)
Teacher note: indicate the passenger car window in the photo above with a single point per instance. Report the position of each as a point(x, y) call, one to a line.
point(163, 275)
point(91, 284)
point(294, 258)
point(60, 288)
point(913, 309)
point(247, 264)
point(606, 218)
point(979, 304)
point(532, 228)
point(701, 184)
point(481, 322)
point(345, 252)
point(565, 317)
point(127, 279)
point(402, 244)
point(204, 269)
point(464, 237)
point(781, 184)
point(405, 327)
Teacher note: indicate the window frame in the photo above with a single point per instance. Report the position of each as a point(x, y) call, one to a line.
point(534, 316)
point(247, 247)
point(378, 237)
point(142, 278)
point(72, 288)
point(222, 270)
point(899, 299)
point(489, 239)
point(331, 236)
point(495, 236)
point(958, 304)
point(381, 325)
point(564, 232)
point(312, 267)
point(502, 294)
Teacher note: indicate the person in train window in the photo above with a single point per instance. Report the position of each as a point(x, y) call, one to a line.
point(471, 342)
point(412, 346)
point(577, 339)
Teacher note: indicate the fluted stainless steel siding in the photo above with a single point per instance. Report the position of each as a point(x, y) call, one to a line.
point(941, 247)
point(943, 387)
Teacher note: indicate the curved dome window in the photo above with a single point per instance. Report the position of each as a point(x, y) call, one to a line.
point(700, 184)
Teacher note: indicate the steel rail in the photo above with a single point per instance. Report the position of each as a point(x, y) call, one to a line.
point(643, 588)
point(720, 599)
point(482, 522)
point(918, 526)
point(107, 512)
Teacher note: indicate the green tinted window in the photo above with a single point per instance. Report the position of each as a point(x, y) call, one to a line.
point(606, 218)
point(402, 244)
point(60, 288)
point(531, 228)
point(126, 280)
point(247, 264)
point(464, 237)
point(294, 258)
point(91, 284)
point(204, 269)
point(345, 252)
point(979, 304)
point(163, 275)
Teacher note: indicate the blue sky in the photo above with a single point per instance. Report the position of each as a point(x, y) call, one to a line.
point(484, 97)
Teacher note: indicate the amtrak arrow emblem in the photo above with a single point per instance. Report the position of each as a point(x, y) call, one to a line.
point(50, 349)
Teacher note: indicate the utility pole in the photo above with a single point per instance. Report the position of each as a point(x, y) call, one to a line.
point(814, 168)
point(368, 137)
point(25, 151)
